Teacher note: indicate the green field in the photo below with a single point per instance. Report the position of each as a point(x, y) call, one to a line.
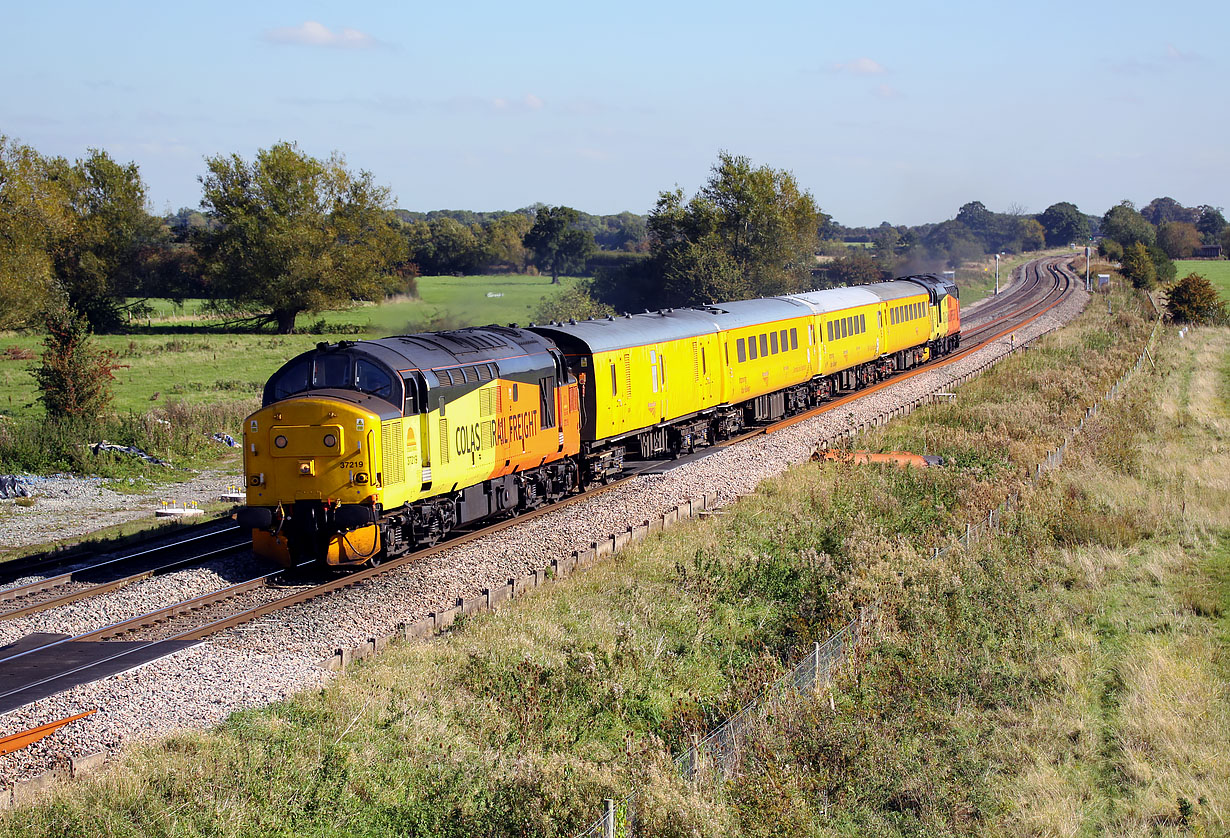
point(181, 354)
point(1217, 273)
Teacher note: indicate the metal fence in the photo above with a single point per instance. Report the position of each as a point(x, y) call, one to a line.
point(719, 755)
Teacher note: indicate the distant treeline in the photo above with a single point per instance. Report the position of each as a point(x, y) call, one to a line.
point(286, 233)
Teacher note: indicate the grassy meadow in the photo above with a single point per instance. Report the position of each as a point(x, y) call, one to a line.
point(1066, 677)
point(1216, 272)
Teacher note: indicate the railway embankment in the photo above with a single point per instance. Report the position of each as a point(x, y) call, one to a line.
point(524, 719)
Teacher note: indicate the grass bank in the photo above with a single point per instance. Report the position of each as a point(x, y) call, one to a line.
point(521, 721)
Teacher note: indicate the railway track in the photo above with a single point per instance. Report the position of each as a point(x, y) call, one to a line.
point(111, 573)
point(50, 668)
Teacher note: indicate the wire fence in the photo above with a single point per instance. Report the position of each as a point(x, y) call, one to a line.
point(719, 755)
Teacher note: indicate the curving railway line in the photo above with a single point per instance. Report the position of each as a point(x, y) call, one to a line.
point(41, 665)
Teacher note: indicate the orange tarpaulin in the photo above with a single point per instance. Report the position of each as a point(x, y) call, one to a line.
point(17, 741)
point(897, 458)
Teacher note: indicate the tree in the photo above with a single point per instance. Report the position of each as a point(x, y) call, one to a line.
point(855, 268)
point(1064, 224)
point(1178, 238)
point(504, 242)
point(1127, 226)
point(33, 214)
point(1160, 211)
point(102, 259)
point(1138, 266)
point(748, 231)
point(1031, 233)
point(296, 234)
point(1225, 242)
point(557, 245)
point(74, 379)
point(1211, 223)
point(1193, 299)
point(574, 303)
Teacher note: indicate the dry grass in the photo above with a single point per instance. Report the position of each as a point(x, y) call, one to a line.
point(1133, 740)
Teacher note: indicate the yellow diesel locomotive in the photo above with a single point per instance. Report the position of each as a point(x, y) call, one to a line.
point(365, 449)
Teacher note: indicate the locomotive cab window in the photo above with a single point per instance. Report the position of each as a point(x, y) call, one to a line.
point(546, 401)
point(370, 378)
point(295, 378)
point(331, 372)
point(413, 397)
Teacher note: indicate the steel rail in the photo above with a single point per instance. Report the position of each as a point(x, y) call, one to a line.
point(100, 588)
point(27, 566)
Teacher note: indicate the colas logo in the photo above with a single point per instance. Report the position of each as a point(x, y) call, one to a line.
point(471, 439)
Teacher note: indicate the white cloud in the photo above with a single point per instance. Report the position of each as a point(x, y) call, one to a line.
point(533, 102)
point(313, 34)
point(860, 67)
point(887, 91)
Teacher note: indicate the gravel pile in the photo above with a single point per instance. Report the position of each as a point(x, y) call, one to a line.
point(280, 654)
point(66, 507)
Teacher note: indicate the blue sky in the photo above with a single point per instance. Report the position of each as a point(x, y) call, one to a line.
point(888, 111)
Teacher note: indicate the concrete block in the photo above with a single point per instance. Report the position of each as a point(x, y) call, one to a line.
point(88, 763)
point(421, 629)
point(540, 577)
point(472, 605)
point(621, 540)
point(586, 559)
point(444, 619)
point(564, 566)
point(684, 510)
point(27, 791)
point(336, 662)
point(344, 656)
point(670, 518)
point(655, 524)
point(524, 585)
point(382, 643)
point(233, 497)
point(499, 594)
point(363, 650)
point(639, 532)
point(604, 547)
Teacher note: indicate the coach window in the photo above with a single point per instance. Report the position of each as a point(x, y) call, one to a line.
point(614, 382)
point(704, 367)
point(751, 347)
point(794, 338)
point(653, 369)
point(741, 350)
point(785, 340)
point(773, 342)
point(862, 323)
point(845, 328)
point(764, 345)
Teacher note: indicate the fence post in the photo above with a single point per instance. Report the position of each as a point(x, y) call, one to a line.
point(608, 818)
point(816, 668)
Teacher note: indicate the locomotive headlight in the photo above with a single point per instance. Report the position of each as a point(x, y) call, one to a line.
point(330, 440)
point(280, 441)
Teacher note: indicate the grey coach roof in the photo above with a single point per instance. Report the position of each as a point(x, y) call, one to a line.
point(837, 299)
point(673, 324)
point(896, 289)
